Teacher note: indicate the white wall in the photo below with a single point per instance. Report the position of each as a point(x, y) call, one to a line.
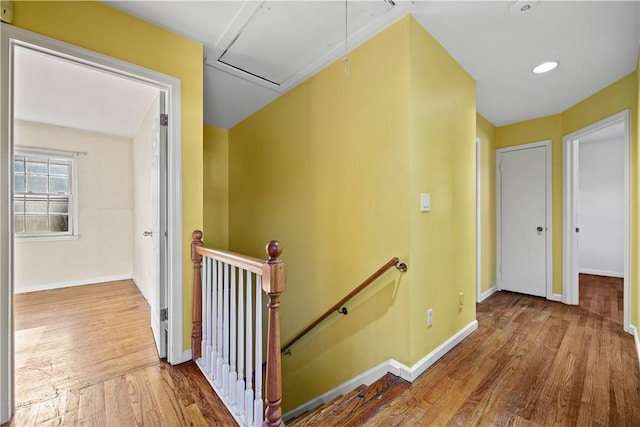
point(601, 207)
point(142, 200)
point(103, 250)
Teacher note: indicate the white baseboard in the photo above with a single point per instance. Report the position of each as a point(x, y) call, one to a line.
point(140, 288)
point(634, 332)
point(59, 285)
point(186, 356)
point(555, 297)
point(602, 272)
point(393, 366)
point(411, 373)
point(486, 294)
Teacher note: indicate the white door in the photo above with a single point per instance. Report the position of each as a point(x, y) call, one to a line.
point(523, 231)
point(158, 233)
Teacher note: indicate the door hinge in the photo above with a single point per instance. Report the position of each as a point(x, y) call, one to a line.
point(164, 314)
point(164, 119)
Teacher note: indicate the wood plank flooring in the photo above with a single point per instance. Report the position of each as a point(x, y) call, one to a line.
point(532, 362)
point(85, 356)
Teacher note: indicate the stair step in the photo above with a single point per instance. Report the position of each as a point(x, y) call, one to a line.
point(377, 396)
point(356, 407)
point(319, 415)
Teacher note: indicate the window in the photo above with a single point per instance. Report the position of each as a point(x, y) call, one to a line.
point(44, 193)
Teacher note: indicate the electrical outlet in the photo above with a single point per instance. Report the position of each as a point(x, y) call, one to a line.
point(429, 317)
point(461, 301)
point(6, 11)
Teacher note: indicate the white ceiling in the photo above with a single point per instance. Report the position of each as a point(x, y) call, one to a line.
point(596, 43)
point(54, 91)
point(286, 42)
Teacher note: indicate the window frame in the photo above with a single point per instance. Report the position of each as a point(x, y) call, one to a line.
point(72, 233)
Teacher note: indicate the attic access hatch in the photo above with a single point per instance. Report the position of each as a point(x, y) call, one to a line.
point(278, 44)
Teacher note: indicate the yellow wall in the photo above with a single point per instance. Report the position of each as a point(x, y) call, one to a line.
point(610, 100)
point(323, 169)
point(545, 128)
point(487, 134)
point(216, 187)
point(442, 163)
point(333, 169)
point(102, 29)
point(614, 98)
point(617, 97)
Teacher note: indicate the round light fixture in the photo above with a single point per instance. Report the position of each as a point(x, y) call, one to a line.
point(545, 67)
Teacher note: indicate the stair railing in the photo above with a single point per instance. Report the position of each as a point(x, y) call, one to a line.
point(339, 306)
point(226, 341)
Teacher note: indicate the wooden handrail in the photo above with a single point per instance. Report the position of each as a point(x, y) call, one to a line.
point(336, 307)
point(254, 265)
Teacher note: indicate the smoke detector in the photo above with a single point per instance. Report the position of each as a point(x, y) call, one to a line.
point(518, 7)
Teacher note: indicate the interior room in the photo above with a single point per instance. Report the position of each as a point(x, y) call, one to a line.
point(401, 213)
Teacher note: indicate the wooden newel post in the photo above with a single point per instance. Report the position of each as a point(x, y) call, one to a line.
point(196, 334)
point(273, 283)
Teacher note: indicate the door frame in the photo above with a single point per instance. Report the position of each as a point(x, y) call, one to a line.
point(570, 205)
point(478, 224)
point(11, 36)
point(548, 214)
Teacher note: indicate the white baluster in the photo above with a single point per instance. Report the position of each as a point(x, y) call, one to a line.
point(258, 406)
point(211, 344)
point(240, 383)
point(213, 316)
point(225, 342)
point(219, 323)
point(249, 353)
point(205, 313)
point(233, 373)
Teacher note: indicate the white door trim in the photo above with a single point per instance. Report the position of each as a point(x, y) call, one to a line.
point(9, 37)
point(478, 225)
point(569, 211)
point(548, 215)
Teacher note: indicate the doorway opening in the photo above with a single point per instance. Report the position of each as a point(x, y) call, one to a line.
point(168, 158)
point(596, 211)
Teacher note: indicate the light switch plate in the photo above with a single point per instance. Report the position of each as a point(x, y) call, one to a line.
point(425, 202)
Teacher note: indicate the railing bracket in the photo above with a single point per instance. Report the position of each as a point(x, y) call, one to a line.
point(287, 352)
point(343, 310)
point(401, 266)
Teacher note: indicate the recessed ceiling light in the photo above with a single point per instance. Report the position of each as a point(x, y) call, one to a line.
point(545, 67)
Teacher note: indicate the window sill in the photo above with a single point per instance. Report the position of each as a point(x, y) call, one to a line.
point(26, 239)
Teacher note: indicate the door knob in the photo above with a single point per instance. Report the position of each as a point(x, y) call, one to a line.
point(147, 233)
point(539, 229)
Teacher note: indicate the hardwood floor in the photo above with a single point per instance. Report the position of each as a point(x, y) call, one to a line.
point(85, 356)
point(531, 363)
